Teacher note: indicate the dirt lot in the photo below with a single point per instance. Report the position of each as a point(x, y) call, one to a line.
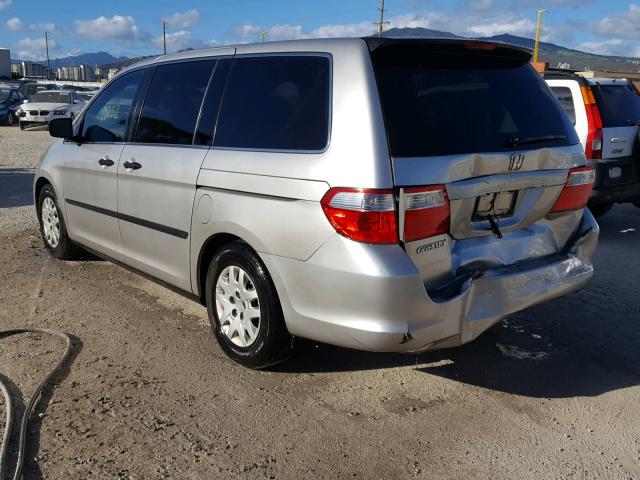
point(550, 393)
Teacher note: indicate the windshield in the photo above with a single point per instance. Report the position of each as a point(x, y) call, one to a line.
point(50, 97)
point(445, 102)
point(4, 94)
point(619, 105)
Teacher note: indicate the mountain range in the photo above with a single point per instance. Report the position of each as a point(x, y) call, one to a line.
point(556, 55)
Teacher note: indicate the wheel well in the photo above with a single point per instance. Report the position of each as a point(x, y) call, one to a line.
point(40, 183)
point(207, 252)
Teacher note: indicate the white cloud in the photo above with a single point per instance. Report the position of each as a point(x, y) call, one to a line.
point(35, 48)
point(17, 25)
point(475, 23)
point(182, 40)
point(119, 28)
point(619, 24)
point(183, 20)
point(4, 4)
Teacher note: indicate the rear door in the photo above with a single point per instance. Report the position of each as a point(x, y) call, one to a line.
point(619, 106)
point(159, 168)
point(477, 125)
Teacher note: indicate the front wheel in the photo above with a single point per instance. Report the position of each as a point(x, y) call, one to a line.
point(244, 309)
point(11, 120)
point(53, 227)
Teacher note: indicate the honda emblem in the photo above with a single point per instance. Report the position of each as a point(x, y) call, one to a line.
point(516, 161)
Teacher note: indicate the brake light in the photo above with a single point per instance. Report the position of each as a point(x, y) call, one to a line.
point(363, 215)
point(576, 191)
point(593, 149)
point(475, 45)
point(426, 212)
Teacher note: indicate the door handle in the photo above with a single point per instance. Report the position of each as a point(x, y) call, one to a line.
point(105, 162)
point(131, 166)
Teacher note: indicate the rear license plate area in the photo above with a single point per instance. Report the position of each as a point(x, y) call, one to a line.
point(496, 205)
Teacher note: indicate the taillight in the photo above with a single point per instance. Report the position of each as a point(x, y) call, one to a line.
point(426, 212)
point(363, 215)
point(593, 149)
point(576, 191)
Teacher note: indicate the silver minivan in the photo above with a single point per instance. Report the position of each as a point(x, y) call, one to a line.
point(377, 194)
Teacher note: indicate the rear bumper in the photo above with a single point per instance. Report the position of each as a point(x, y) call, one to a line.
point(624, 188)
point(372, 297)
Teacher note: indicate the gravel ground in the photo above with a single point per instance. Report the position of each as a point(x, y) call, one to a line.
point(550, 393)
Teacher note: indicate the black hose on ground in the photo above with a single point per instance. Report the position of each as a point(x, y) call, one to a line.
point(22, 434)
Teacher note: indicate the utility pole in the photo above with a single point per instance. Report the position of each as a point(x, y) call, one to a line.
point(46, 42)
point(262, 35)
point(164, 35)
point(380, 24)
point(536, 48)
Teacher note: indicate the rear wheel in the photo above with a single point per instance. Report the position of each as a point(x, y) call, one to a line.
point(11, 119)
point(600, 209)
point(636, 202)
point(53, 228)
point(244, 309)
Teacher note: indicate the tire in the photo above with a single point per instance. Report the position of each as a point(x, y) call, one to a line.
point(235, 297)
point(22, 127)
point(11, 119)
point(53, 228)
point(600, 209)
point(636, 202)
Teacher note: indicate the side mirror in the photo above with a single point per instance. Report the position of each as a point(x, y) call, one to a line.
point(61, 128)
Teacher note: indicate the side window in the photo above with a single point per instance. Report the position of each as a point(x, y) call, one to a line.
point(106, 120)
point(171, 109)
point(276, 102)
point(566, 100)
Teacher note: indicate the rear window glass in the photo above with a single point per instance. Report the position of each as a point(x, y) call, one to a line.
point(437, 102)
point(276, 103)
point(564, 96)
point(619, 105)
point(51, 97)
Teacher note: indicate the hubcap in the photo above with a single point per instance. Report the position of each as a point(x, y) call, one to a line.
point(50, 222)
point(237, 306)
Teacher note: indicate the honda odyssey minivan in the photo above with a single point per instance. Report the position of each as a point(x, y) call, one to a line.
point(377, 194)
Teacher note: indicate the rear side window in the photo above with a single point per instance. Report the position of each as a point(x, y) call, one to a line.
point(564, 96)
point(171, 109)
point(279, 103)
point(452, 99)
point(619, 105)
point(107, 118)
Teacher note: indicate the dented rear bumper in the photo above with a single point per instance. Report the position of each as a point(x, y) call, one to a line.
point(372, 297)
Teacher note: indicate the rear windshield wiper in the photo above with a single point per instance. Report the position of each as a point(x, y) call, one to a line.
point(517, 141)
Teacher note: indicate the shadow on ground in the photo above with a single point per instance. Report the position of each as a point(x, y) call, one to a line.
point(585, 344)
point(15, 187)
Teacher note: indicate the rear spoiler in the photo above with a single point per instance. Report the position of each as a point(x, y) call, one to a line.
point(511, 54)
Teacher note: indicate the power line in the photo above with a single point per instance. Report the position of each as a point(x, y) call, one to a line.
point(46, 42)
point(164, 35)
point(381, 23)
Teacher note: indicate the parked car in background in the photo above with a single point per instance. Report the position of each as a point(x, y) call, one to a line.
point(88, 95)
point(10, 101)
point(606, 116)
point(49, 104)
point(378, 194)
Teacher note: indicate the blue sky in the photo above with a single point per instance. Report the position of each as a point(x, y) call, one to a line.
point(133, 27)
